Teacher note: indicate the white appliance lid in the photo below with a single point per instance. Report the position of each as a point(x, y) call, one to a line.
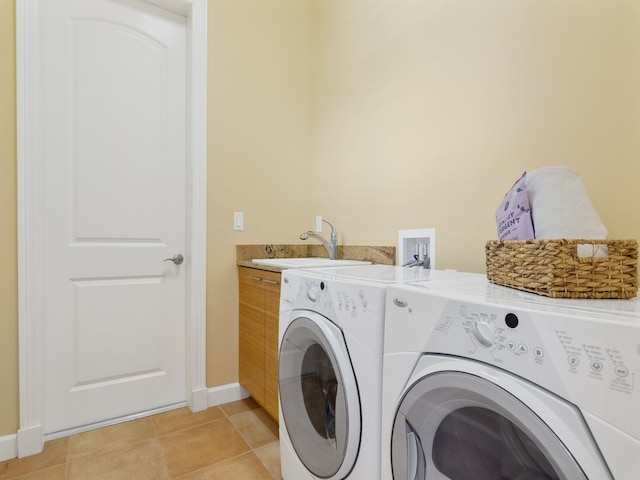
point(387, 273)
point(478, 285)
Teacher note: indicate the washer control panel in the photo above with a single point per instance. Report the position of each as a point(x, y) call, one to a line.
point(357, 308)
point(330, 298)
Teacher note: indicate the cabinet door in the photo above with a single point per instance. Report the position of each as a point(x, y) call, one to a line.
point(252, 333)
point(272, 310)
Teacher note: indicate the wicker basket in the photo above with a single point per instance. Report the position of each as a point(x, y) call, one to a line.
point(554, 269)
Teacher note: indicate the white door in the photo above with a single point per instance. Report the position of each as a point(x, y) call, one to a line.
point(319, 397)
point(114, 157)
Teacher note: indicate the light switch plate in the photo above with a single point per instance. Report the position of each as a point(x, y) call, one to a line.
point(238, 220)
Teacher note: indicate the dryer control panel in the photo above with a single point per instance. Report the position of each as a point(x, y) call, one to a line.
point(502, 338)
point(592, 360)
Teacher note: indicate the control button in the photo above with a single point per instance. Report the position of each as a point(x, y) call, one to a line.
point(400, 302)
point(538, 352)
point(511, 319)
point(522, 348)
point(573, 360)
point(511, 345)
point(621, 371)
point(596, 366)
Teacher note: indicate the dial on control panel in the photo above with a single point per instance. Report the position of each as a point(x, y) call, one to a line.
point(312, 294)
point(484, 332)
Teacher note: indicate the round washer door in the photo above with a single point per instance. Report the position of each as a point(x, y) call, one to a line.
point(319, 396)
point(457, 426)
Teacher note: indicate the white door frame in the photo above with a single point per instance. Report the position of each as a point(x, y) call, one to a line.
point(30, 436)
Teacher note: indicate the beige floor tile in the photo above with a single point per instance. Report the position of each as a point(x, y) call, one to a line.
point(269, 455)
point(239, 406)
point(182, 418)
point(269, 422)
point(253, 429)
point(188, 450)
point(246, 466)
point(114, 437)
point(51, 473)
point(215, 443)
point(143, 461)
point(54, 453)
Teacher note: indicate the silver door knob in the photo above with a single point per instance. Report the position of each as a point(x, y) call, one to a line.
point(177, 259)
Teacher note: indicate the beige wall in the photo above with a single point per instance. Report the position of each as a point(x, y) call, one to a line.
point(259, 149)
point(422, 115)
point(8, 244)
point(427, 112)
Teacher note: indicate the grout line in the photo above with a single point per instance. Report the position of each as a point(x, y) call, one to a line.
point(164, 458)
point(212, 464)
point(66, 459)
point(272, 473)
point(252, 449)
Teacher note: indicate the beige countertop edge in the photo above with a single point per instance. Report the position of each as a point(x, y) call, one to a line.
point(383, 255)
point(250, 264)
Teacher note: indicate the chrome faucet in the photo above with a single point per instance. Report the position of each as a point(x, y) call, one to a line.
point(332, 248)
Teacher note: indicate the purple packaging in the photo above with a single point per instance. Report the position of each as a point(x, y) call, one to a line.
point(513, 216)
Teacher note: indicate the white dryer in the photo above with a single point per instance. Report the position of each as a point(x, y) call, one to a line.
point(484, 382)
point(330, 369)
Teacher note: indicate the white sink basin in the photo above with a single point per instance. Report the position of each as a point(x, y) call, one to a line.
point(307, 262)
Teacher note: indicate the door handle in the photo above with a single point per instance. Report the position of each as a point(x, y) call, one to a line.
point(177, 259)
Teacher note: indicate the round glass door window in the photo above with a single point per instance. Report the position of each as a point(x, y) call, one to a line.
point(457, 426)
point(319, 396)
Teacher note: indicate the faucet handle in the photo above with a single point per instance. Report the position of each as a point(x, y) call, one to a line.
point(333, 252)
point(333, 230)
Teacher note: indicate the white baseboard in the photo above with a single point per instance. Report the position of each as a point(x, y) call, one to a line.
point(225, 394)
point(199, 400)
point(27, 441)
point(8, 447)
point(30, 441)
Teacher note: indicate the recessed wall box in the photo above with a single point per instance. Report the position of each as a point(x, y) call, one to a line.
point(417, 245)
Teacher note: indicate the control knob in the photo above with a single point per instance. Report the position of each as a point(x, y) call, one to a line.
point(312, 293)
point(484, 332)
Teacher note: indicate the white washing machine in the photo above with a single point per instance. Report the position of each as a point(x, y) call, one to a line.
point(330, 369)
point(485, 382)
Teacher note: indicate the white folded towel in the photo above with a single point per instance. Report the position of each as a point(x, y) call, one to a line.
point(561, 208)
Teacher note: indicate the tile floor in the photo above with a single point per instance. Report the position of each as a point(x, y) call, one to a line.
point(233, 441)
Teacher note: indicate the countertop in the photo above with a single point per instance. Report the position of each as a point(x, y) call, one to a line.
point(382, 255)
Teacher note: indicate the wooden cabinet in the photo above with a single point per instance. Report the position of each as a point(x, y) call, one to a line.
point(259, 301)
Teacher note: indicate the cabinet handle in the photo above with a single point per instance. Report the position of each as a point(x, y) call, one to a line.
point(265, 280)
